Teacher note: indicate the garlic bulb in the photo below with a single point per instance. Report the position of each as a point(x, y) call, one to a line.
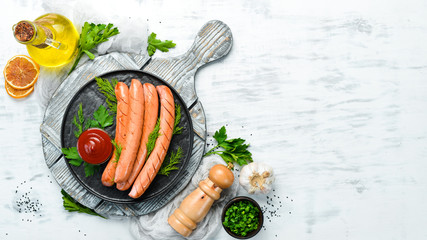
point(256, 178)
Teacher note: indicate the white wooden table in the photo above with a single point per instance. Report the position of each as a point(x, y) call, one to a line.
point(332, 94)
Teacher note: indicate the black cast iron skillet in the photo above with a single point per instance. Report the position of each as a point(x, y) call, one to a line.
point(91, 98)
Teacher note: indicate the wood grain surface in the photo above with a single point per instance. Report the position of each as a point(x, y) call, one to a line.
point(332, 94)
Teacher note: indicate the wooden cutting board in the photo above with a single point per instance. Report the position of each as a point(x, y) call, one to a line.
point(212, 42)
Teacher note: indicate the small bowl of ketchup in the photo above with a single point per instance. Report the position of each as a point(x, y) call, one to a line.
point(94, 146)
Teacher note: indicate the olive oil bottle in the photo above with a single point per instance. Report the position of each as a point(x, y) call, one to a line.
point(51, 39)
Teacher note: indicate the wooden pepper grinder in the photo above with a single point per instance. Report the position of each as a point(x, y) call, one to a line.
point(197, 204)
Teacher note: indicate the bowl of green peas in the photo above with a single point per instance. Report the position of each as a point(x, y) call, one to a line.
point(242, 217)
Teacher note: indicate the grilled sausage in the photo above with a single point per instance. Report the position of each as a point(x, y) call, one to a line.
point(155, 160)
point(122, 120)
point(150, 119)
point(134, 132)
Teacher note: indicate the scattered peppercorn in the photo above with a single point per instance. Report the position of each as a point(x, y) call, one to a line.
point(26, 203)
point(272, 208)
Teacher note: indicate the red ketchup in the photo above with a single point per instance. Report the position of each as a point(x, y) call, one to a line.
point(94, 146)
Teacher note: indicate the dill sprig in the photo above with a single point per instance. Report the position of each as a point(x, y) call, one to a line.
point(174, 159)
point(152, 138)
point(107, 88)
point(117, 149)
point(80, 122)
point(176, 128)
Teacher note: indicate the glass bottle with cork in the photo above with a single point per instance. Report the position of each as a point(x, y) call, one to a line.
point(51, 39)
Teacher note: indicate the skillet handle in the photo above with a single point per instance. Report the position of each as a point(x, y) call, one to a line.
point(213, 41)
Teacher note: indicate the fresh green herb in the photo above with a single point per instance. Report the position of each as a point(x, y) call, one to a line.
point(104, 119)
point(72, 205)
point(117, 149)
point(241, 218)
point(176, 128)
point(107, 88)
point(91, 36)
point(80, 122)
point(92, 123)
point(90, 169)
point(154, 43)
point(152, 138)
point(174, 159)
point(74, 159)
point(72, 155)
point(234, 149)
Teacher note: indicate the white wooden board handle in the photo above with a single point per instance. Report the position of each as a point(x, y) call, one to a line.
point(213, 41)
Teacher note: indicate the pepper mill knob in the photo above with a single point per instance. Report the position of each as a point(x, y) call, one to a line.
point(197, 204)
point(221, 176)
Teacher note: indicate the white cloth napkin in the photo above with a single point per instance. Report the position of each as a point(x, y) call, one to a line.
point(155, 226)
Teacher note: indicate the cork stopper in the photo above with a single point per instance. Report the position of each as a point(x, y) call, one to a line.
point(24, 31)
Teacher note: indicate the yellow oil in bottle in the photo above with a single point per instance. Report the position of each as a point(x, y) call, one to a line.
point(53, 42)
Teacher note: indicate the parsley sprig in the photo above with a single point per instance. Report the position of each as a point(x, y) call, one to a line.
point(102, 118)
point(74, 159)
point(73, 206)
point(72, 155)
point(235, 151)
point(154, 43)
point(92, 34)
point(169, 166)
